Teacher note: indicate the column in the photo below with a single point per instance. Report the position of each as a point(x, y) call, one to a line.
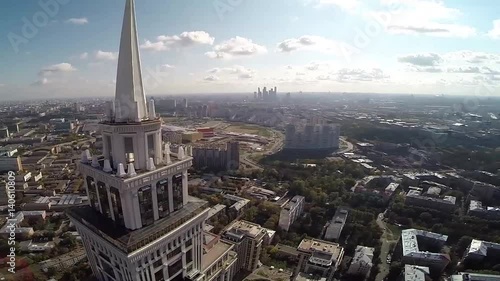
point(158, 148)
point(154, 197)
point(86, 187)
point(105, 147)
point(110, 202)
point(136, 210)
point(170, 194)
point(98, 196)
point(184, 187)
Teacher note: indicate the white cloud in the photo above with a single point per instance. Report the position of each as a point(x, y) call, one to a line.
point(361, 75)
point(78, 21)
point(240, 71)
point(2, 85)
point(495, 32)
point(102, 55)
point(430, 59)
point(84, 56)
point(427, 17)
point(211, 78)
point(41, 82)
point(236, 47)
point(166, 67)
point(185, 39)
point(312, 43)
point(346, 5)
point(56, 68)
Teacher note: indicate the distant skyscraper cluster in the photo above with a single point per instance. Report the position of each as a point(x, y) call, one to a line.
point(266, 95)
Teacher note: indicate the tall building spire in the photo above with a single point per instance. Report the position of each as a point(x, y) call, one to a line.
point(130, 99)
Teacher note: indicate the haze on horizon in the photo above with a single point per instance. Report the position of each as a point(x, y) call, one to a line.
point(221, 46)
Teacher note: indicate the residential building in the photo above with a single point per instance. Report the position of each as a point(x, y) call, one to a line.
point(217, 158)
point(479, 250)
point(467, 276)
point(477, 209)
point(247, 239)
point(10, 164)
point(218, 260)
point(292, 210)
point(312, 137)
point(415, 273)
point(31, 247)
point(413, 239)
point(336, 225)
point(318, 257)
point(140, 224)
point(415, 198)
point(361, 263)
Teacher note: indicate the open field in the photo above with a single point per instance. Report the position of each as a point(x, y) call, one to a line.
point(248, 129)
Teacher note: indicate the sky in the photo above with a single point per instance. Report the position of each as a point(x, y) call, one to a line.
point(69, 48)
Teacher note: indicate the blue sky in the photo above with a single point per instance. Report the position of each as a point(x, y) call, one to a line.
point(197, 46)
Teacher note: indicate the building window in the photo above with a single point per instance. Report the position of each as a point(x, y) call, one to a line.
point(117, 205)
point(174, 268)
point(159, 275)
point(151, 145)
point(175, 252)
point(129, 148)
point(94, 202)
point(177, 191)
point(189, 242)
point(158, 263)
point(189, 256)
point(146, 205)
point(103, 199)
point(162, 197)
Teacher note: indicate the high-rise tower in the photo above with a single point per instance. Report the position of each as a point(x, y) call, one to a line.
point(140, 223)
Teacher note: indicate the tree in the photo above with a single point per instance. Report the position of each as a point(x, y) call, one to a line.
point(426, 217)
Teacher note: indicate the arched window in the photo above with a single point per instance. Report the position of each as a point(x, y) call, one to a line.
point(117, 205)
point(91, 185)
point(146, 205)
point(162, 197)
point(177, 191)
point(103, 199)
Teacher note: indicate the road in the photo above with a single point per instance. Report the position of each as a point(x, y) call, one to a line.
point(349, 147)
point(386, 240)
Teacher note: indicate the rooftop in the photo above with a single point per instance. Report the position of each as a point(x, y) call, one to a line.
point(415, 273)
point(214, 254)
point(479, 247)
point(243, 227)
point(410, 244)
point(130, 240)
point(315, 245)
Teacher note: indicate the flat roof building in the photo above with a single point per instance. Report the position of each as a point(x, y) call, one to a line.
point(319, 257)
point(292, 210)
point(411, 242)
point(336, 225)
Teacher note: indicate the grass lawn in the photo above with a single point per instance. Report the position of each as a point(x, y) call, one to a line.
point(249, 129)
point(395, 230)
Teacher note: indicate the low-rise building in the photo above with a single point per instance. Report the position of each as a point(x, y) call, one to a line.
point(477, 209)
point(415, 198)
point(479, 250)
point(336, 225)
point(318, 257)
point(31, 247)
point(292, 210)
point(467, 276)
point(415, 273)
point(361, 263)
point(411, 242)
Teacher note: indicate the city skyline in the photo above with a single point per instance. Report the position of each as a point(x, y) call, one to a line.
point(427, 47)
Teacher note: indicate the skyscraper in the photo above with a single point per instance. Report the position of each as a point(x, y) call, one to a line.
point(140, 223)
